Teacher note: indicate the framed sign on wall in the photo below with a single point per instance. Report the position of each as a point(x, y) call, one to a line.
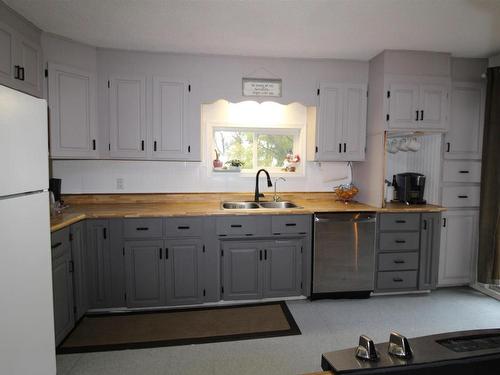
point(262, 87)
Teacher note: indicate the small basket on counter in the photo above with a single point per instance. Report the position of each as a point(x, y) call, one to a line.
point(345, 193)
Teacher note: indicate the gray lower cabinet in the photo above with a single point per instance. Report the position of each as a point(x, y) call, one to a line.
point(98, 264)
point(78, 240)
point(430, 240)
point(256, 269)
point(62, 284)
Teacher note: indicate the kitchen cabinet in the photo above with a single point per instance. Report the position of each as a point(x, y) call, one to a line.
point(20, 61)
point(430, 239)
point(78, 239)
point(341, 125)
point(170, 119)
point(72, 103)
point(413, 104)
point(62, 284)
point(459, 239)
point(256, 269)
point(127, 113)
point(465, 137)
point(99, 276)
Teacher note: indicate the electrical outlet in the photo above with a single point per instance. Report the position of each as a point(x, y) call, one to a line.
point(120, 183)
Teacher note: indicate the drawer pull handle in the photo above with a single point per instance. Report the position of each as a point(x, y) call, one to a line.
point(400, 241)
point(463, 196)
point(463, 172)
point(236, 225)
point(183, 227)
point(398, 261)
point(142, 228)
point(56, 245)
point(397, 280)
point(291, 224)
point(401, 221)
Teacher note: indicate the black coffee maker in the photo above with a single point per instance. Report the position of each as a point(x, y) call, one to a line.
point(410, 187)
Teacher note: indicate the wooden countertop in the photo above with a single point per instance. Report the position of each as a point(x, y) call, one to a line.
point(100, 206)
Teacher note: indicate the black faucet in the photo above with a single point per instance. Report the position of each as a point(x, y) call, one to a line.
point(269, 184)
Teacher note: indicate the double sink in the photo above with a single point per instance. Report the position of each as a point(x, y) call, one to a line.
point(252, 205)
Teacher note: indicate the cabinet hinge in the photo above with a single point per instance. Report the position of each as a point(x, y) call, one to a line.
point(71, 236)
point(204, 292)
point(109, 84)
point(318, 92)
point(388, 94)
point(203, 248)
point(46, 72)
point(387, 117)
point(189, 88)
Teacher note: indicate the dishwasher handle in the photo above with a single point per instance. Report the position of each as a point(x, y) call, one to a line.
point(368, 219)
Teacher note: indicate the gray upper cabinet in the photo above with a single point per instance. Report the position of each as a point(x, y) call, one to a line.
point(282, 268)
point(98, 264)
point(341, 123)
point(183, 271)
point(465, 136)
point(78, 239)
point(127, 113)
point(170, 119)
point(402, 105)
point(145, 283)
point(72, 102)
point(20, 61)
point(242, 271)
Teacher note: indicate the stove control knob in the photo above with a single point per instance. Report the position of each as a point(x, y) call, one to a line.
point(399, 346)
point(366, 349)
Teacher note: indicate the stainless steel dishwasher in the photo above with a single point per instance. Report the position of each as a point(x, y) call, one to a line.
point(344, 255)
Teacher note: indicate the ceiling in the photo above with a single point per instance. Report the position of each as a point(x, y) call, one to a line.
point(348, 29)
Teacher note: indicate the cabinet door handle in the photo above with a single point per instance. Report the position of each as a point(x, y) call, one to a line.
point(260, 254)
point(166, 253)
point(448, 146)
point(93, 144)
point(71, 266)
point(425, 224)
point(56, 245)
point(183, 227)
point(16, 71)
point(340, 148)
point(142, 145)
point(462, 196)
point(399, 261)
point(160, 252)
point(421, 115)
point(154, 146)
point(416, 115)
point(463, 172)
point(400, 221)
point(104, 233)
point(265, 254)
point(444, 222)
point(397, 280)
point(345, 147)
point(22, 73)
point(236, 225)
point(142, 228)
point(400, 241)
point(291, 224)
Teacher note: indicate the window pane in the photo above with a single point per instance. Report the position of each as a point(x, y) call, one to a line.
point(272, 149)
point(235, 145)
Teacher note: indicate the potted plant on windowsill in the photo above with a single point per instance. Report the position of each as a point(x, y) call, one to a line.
point(234, 165)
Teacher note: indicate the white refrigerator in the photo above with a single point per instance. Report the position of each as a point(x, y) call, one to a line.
point(26, 311)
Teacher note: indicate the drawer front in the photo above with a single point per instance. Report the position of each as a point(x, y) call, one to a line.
point(59, 242)
point(236, 225)
point(461, 196)
point(142, 228)
point(299, 224)
point(184, 227)
point(399, 241)
point(461, 171)
point(401, 222)
point(397, 261)
point(397, 280)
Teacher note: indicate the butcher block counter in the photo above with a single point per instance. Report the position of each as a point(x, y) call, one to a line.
point(100, 206)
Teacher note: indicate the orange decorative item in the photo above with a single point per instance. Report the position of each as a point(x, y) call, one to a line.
point(345, 193)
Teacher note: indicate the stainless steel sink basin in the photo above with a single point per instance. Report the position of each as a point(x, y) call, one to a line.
point(245, 205)
point(240, 205)
point(281, 205)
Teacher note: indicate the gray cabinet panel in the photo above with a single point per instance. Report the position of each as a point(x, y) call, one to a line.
point(143, 228)
point(236, 225)
point(98, 264)
point(183, 271)
point(288, 224)
point(399, 222)
point(78, 255)
point(184, 227)
point(399, 241)
point(282, 268)
point(398, 261)
point(430, 238)
point(117, 263)
point(242, 270)
point(145, 273)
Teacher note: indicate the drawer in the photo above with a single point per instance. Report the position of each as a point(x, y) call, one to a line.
point(290, 224)
point(397, 261)
point(461, 196)
point(399, 241)
point(461, 171)
point(184, 227)
point(142, 228)
point(397, 280)
point(236, 225)
point(59, 242)
point(398, 222)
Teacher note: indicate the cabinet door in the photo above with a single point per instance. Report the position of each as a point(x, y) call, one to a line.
point(183, 271)
point(72, 112)
point(78, 255)
point(282, 268)
point(128, 117)
point(62, 286)
point(329, 127)
point(433, 108)
point(145, 273)
point(354, 122)
point(458, 246)
point(430, 237)
point(7, 58)
point(465, 136)
point(170, 118)
point(403, 100)
point(98, 264)
point(242, 270)
point(30, 60)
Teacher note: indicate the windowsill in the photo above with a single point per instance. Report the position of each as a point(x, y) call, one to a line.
point(251, 173)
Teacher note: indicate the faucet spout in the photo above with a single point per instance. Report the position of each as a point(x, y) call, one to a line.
point(269, 183)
